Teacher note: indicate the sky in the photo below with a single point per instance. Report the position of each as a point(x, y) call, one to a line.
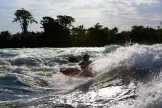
point(122, 14)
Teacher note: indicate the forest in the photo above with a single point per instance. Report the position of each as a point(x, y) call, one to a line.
point(60, 32)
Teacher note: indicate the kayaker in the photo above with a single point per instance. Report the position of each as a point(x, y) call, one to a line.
point(84, 65)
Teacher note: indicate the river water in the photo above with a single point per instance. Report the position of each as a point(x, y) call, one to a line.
point(125, 77)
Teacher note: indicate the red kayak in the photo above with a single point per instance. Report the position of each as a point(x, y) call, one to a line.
point(75, 72)
point(70, 71)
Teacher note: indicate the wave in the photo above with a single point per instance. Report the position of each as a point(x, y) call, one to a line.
point(20, 86)
point(126, 76)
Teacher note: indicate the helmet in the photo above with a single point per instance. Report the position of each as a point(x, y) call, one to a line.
point(86, 56)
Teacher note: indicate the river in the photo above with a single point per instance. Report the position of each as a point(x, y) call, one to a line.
point(125, 77)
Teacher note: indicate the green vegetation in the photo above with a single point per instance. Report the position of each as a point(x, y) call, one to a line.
point(24, 17)
point(60, 32)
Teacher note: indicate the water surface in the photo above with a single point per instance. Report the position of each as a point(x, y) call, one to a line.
point(126, 77)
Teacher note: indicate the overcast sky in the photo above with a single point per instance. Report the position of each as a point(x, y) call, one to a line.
point(109, 13)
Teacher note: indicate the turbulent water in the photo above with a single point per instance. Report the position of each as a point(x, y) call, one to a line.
point(125, 77)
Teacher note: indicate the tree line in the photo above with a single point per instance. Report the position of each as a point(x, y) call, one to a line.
point(60, 32)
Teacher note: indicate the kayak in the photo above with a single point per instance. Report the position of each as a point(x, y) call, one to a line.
point(75, 72)
point(70, 71)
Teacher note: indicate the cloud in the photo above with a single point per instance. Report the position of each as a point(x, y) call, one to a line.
point(120, 13)
point(149, 14)
point(124, 13)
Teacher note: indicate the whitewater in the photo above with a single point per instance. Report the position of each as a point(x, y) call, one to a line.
point(125, 77)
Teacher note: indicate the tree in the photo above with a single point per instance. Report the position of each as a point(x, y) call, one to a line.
point(78, 36)
point(5, 37)
point(137, 34)
point(97, 35)
point(24, 17)
point(65, 21)
point(143, 35)
point(123, 38)
point(55, 34)
point(48, 24)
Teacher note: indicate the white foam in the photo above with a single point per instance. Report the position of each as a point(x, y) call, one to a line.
point(140, 56)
